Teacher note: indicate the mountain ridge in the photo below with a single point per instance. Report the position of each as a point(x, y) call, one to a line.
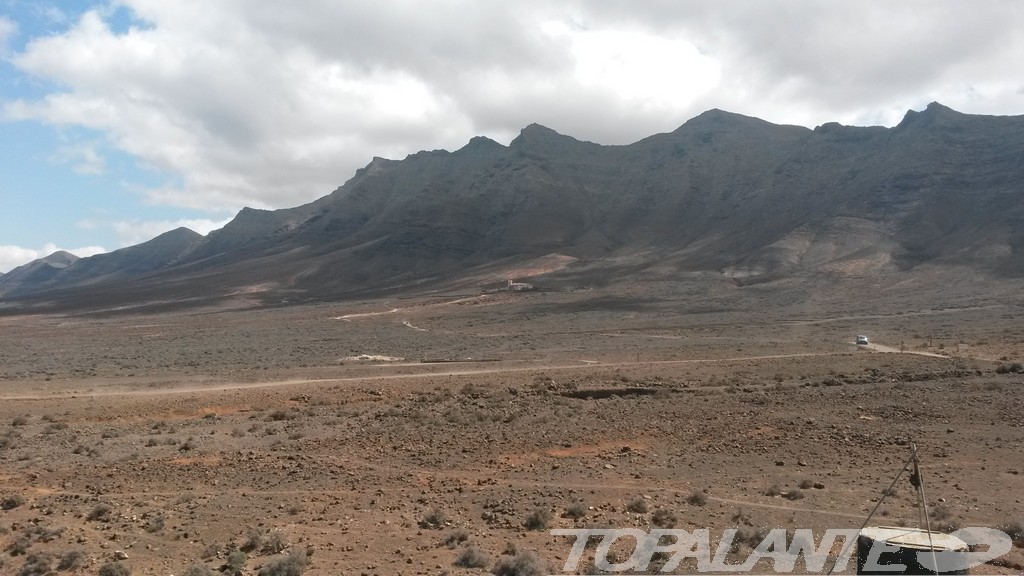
point(723, 193)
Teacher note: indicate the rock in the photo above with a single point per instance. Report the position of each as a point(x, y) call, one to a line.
point(120, 555)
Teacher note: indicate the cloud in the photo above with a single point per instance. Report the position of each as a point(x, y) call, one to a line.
point(807, 62)
point(267, 105)
point(53, 14)
point(14, 256)
point(7, 31)
point(134, 231)
point(131, 232)
point(84, 157)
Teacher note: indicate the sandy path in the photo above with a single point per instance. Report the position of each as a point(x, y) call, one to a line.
point(930, 312)
point(408, 324)
point(419, 375)
point(580, 364)
point(366, 314)
point(889, 349)
point(460, 300)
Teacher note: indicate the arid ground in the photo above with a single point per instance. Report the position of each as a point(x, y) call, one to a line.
point(388, 437)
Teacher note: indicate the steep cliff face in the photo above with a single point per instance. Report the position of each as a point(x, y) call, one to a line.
point(724, 194)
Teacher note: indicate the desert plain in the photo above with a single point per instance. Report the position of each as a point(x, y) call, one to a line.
point(409, 435)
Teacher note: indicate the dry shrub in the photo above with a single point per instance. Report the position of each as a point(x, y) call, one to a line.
point(538, 519)
point(576, 511)
point(12, 502)
point(664, 518)
point(433, 520)
point(37, 564)
point(697, 498)
point(293, 564)
point(114, 569)
point(1015, 530)
point(524, 563)
point(71, 559)
point(472, 557)
point(638, 506)
point(455, 538)
point(198, 570)
point(101, 512)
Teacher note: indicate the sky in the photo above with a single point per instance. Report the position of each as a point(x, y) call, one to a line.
point(123, 119)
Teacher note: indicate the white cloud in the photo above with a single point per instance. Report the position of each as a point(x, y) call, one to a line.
point(643, 69)
point(14, 256)
point(131, 232)
point(84, 157)
point(53, 14)
point(7, 30)
point(267, 105)
point(807, 62)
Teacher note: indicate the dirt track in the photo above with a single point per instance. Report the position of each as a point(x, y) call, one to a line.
point(889, 349)
point(166, 391)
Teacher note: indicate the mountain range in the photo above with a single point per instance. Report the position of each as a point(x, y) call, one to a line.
point(724, 194)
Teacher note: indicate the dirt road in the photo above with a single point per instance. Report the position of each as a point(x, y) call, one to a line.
point(889, 349)
point(580, 364)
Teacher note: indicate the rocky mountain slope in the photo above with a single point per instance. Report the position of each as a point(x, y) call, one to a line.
point(62, 269)
point(723, 194)
point(36, 273)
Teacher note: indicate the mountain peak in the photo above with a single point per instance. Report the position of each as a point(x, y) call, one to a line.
point(376, 166)
point(60, 259)
point(543, 141)
point(716, 120)
point(718, 116)
point(936, 108)
point(534, 134)
point(181, 232)
point(534, 128)
point(932, 113)
point(479, 144)
point(38, 270)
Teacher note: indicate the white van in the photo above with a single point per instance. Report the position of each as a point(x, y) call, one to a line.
point(862, 340)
